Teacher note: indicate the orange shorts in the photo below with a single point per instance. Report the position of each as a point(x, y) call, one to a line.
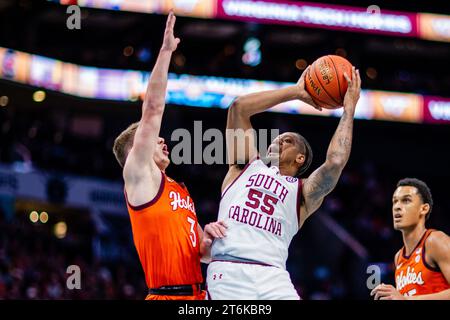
point(199, 296)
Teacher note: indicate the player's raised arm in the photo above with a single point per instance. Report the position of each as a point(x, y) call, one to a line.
point(323, 180)
point(241, 144)
point(141, 154)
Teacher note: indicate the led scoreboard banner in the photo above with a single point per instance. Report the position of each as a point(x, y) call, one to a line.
point(304, 14)
point(203, 91)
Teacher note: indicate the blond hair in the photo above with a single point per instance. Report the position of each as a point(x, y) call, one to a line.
point(123, 143)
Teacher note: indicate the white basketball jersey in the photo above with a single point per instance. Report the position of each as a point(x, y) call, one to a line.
point(261, 210)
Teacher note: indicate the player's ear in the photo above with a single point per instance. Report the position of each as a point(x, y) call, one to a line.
point(424, 209)
point(300, 159)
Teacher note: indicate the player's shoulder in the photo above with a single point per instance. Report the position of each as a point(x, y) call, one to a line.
point(173, 182)
point(237, 168)
point(134, 172)
point(437, 245)
point(169, 179)
point(436, 239)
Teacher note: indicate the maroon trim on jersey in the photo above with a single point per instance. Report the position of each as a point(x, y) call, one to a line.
point(435, 269)
point(183, 185)
point(415, 248)
point(244, 262)
point(299, 198)
point(398, 258)
point(245, 168)
point(151, 202)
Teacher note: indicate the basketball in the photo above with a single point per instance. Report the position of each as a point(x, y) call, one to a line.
point(325, 81)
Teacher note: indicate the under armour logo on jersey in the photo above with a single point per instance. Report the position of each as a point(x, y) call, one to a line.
point(291, 179)
point(178, 202)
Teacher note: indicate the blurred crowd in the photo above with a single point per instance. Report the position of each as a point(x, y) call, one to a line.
point(33, 265)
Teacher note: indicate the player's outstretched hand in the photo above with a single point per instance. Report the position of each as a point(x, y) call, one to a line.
point(214, 230)
point(386, 292)
point(353, 90)
point(303, 94)
point(170, 43)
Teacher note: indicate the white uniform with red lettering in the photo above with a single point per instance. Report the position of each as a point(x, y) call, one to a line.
point(261, 210)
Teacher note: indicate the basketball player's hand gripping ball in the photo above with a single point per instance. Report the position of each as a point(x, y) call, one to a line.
point(353, 90)
point(303, 93)
point(326, 83)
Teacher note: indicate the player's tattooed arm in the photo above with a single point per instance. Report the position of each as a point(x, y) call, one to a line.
point(323, 180)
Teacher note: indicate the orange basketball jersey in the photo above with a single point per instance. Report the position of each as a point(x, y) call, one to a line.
point(166, 237)
point(414, 276)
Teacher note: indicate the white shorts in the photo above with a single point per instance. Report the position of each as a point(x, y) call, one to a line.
point(241, 281)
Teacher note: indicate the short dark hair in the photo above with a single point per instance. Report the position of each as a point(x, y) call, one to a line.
point(305, 148)
point(422, 189)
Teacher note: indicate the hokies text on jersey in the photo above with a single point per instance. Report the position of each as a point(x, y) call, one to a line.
point(182, 203)
point(411, 277)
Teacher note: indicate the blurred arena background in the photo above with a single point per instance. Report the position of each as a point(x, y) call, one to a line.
point(66, 94)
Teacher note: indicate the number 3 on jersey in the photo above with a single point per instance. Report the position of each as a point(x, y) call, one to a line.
point(192, 231)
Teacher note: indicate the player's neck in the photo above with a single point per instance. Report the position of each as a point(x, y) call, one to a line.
point(286, 170)
point(162, 167)
point(411, 237)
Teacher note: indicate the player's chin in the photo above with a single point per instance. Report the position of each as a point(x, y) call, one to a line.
point(163, 161)
point(166, 161)
point(398, 226)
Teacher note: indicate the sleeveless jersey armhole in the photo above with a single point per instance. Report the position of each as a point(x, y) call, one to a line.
point(240, 174)
point(299, 201)
point(152, 201)
point(428, 266)
point(398, 256)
